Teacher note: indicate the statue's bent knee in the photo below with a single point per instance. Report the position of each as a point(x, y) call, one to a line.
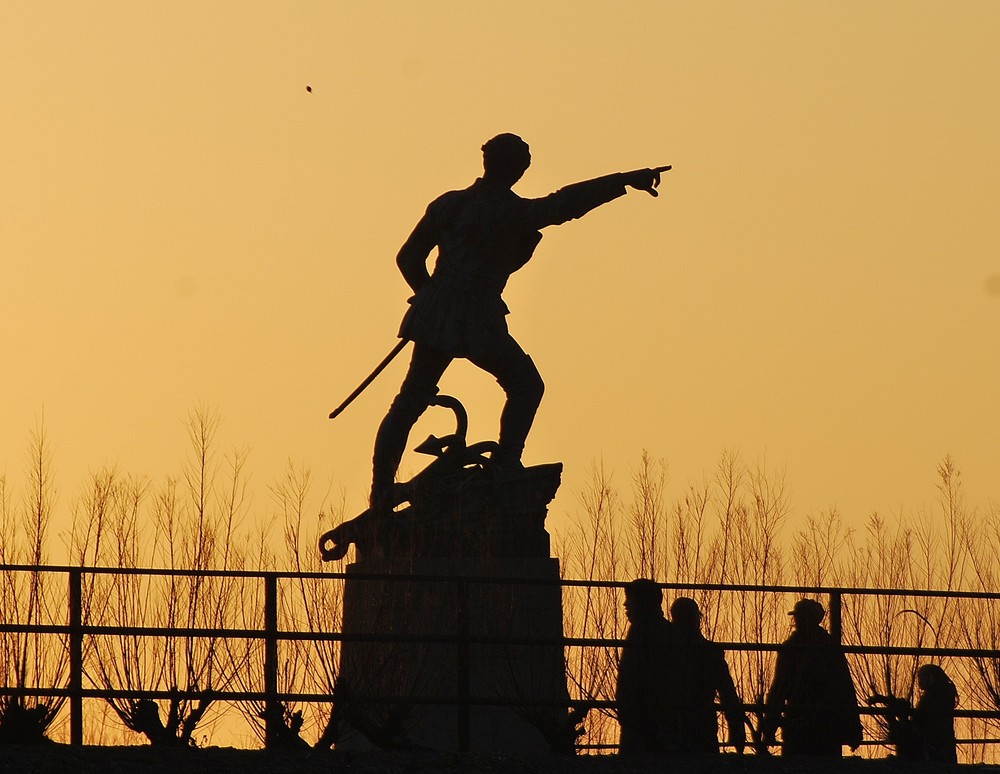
point(413, 401)
point(525, 384)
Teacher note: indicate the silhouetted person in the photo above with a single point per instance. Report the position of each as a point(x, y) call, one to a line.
point(483, 234)
point(934, 715)
point(812, 696)
point(699, 672)
point(643, 673)
point(925, 732)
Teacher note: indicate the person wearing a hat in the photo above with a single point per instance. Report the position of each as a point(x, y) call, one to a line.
point(812, 696)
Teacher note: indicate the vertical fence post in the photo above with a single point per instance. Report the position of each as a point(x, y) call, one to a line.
point(462, 662)
point(272, 710)
point(836, 622)
point(76, 656)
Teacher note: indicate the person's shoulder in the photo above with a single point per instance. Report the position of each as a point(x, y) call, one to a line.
point(793, 640)
point(712, 652)
point(711, 646)
point(451, 196)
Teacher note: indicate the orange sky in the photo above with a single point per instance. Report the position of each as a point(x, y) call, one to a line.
point(183, 224)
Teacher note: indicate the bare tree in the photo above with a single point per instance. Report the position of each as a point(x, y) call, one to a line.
point(28, 598)
point(591, 551)
point(647, 518)
point(307, 603)
point(196, 523)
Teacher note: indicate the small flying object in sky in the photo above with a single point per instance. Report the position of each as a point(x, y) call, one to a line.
point(309, 89)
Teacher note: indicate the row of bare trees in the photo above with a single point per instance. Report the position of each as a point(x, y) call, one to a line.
point(198, 521)
point(736, 528)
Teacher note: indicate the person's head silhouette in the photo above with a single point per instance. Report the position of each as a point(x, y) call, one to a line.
point(643, 598)
point(684, 613)
point(807, 613)
point(505, 159)
point(931, 676)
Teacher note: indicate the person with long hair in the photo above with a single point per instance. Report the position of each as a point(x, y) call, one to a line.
point(925, 732)
point(933, 717)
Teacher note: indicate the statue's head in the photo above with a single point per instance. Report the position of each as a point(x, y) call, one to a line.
point(505, 158)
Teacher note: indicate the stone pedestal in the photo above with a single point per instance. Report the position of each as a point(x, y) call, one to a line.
point(435, 693)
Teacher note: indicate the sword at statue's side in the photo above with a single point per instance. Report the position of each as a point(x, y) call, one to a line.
point(370, 378)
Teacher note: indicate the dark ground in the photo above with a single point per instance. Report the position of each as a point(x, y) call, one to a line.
point(63, 759)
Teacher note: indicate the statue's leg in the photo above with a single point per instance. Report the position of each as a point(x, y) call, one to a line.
point(500, 355)
point(417, 391)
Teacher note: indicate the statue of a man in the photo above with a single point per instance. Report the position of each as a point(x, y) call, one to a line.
point(483, 234)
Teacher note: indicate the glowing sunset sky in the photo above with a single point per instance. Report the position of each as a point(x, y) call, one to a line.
point(183, 224)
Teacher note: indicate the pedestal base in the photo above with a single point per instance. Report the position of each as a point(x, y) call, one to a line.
point(422, 688)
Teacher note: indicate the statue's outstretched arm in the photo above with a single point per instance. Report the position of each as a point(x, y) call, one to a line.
point(576, 200)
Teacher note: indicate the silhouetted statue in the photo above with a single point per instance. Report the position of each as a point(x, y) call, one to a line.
point(812, 696)
point(925, 732)
point(483, 234)
point(699, 672)
point(642, 692)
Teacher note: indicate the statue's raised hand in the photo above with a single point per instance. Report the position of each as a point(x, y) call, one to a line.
point(645, 179)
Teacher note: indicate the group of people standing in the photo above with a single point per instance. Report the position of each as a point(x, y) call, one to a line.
point(670, 678)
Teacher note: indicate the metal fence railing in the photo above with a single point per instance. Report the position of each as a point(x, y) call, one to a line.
point(79, 629)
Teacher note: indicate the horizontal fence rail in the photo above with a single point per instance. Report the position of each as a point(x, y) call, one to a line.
point(77, 631)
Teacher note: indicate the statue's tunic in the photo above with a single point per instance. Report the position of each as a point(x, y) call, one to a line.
point(484, 234)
